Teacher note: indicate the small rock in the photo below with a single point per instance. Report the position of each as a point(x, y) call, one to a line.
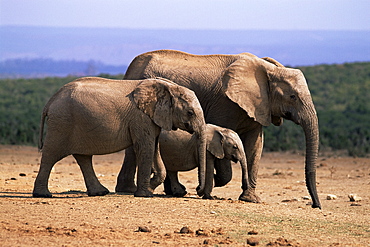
point(201, 232)
point(218, 231)
point(22, 174)
point(253, 241)
point(282, 242)
point(49, 229)
point(306, 198)
point(185, 230)
point(143, 229)
point(213, 212)
point(354, 198)
point(290, 200)
point(331, 197)
point(323, 164)
point(355, 204)
point(253, 232)
point(277, 172)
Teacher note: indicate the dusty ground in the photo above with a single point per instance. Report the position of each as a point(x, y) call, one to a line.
point(71, 218)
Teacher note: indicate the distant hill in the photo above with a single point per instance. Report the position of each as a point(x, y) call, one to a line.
point(117, 46)
point(46, 67)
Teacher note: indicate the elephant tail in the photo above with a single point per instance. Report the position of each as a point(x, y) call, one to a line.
point(41, 134)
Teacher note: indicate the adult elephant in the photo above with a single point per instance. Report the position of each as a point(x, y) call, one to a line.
point(243, 93)
point(92, 116)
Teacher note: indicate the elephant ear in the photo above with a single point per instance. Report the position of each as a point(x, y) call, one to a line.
point(155, 99)
point(245, 82)
point(215, 143)
point(277, 121)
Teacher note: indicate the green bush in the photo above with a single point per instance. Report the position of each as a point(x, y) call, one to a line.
point(340, 94)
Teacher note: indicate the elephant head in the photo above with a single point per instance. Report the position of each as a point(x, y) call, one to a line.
point(268, 92)
point(225, 143)
point(171, 106)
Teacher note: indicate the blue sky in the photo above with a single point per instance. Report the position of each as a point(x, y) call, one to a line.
point(190, 14)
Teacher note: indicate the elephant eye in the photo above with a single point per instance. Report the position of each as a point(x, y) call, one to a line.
point(191, 113)
point(235, 147)
point(293, 97)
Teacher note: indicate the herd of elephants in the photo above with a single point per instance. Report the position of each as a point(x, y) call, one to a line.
point(218, 103)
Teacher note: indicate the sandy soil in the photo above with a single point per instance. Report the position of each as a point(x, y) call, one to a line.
point(71, 218)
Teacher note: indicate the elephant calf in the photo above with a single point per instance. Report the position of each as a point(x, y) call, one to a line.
point(179, 153)
point(91, 116)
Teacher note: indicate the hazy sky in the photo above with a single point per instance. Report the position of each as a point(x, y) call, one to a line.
point(190, 14)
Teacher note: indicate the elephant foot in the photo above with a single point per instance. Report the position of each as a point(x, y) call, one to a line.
point(178, 190)
point(44, 195)
point(180, 193)
point(208, 196)
point(199, 191)
point(126, 188)
point(249, 196)
point(143, 193)
point(101, 192)
point(168, 191)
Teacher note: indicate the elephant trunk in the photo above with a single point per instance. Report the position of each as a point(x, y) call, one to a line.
point(202, 149)
point(243, 164)
point(311, 130)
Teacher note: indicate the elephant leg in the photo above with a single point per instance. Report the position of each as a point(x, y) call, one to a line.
point(94, 187)
point(168, 188)
point(209, 176)
point(40, 188)
point(224, 172)
point(253, 145)
point(167, 185)
point(159, 170)
point(177, 189)
point(126, 176)
point(144, 157)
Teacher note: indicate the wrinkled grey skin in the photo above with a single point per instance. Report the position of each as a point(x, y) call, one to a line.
point(240, 92)
point(178, 150)
point(92, 116)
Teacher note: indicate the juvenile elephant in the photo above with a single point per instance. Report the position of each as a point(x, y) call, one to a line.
point(92, 116)
point(179, 153)
point(241, 92)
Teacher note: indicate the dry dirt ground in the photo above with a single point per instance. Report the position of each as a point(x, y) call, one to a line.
point(71, 218)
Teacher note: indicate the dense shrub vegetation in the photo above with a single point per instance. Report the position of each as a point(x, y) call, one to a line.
point(341, 94)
